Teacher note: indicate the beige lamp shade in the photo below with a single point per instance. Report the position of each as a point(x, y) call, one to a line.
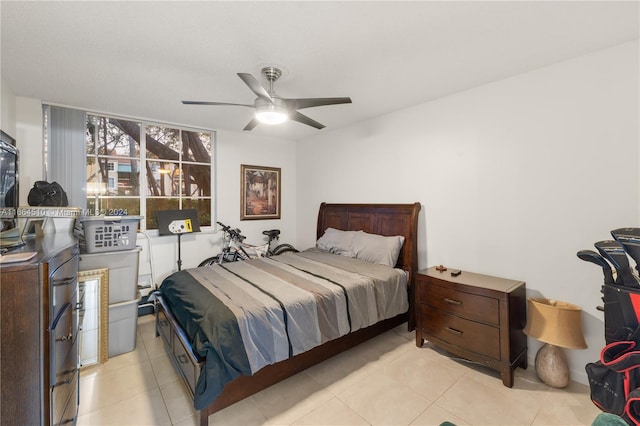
point(554, 322)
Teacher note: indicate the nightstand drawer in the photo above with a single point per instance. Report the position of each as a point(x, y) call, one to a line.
point(479, 338)
point(467, 305)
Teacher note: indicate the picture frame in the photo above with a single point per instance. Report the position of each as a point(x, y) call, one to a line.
point(94, 337)
point(260, 192)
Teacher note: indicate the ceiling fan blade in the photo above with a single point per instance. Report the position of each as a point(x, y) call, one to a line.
point(301, 118)
point(250, 125)
point(314, 102)
point(253, 84)
point(214, 103)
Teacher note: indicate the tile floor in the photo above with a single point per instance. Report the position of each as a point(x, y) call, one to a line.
point(386, 381)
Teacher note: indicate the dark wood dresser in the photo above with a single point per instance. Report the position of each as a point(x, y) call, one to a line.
point(39, 372)
point(477, 317)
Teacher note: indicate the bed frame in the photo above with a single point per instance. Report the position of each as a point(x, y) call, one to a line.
point(382, 219)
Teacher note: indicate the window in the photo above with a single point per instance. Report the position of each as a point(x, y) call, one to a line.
point(134, 167)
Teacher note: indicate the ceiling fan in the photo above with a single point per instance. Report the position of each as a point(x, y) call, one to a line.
point(271, 108)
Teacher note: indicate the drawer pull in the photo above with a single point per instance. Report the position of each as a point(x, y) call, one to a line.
point(60, 313)
point(452, 301)
point(67, 337)
point(69, 380)
point(163, 323)
point(454, 331)
point(182, 359)
point(65, 281)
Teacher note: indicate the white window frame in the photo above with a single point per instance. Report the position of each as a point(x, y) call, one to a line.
point(143, 159)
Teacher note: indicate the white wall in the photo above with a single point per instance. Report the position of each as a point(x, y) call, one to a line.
point(514, 177)
point(7, 109)
point(29, 139)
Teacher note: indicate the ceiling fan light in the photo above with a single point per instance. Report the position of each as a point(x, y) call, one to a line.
point(271, 114)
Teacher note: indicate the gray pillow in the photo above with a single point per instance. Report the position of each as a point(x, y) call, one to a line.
point(337, 242)
point(377, 248)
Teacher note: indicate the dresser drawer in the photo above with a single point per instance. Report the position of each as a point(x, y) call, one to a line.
point(467, 305)
point(71, 411)
point(63, 284)
point(64, 395)
point(163, 327)
point(473, 336)
point(64, 343)
point(188, 366)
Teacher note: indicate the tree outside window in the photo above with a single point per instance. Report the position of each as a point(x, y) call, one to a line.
point(138, 168)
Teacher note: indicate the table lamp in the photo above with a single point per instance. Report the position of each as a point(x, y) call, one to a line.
point(558, 325)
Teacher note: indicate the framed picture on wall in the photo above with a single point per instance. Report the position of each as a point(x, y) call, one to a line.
point(259, 192)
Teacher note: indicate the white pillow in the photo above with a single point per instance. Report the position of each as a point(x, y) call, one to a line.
point(337, 242)
point(377, 248)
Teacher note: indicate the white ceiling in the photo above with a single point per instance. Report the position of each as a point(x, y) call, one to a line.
point(141, 58)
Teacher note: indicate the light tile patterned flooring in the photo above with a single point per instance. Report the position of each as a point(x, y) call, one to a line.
point(386, 381)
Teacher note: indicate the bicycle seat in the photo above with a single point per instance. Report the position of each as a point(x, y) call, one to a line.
point(271, 233)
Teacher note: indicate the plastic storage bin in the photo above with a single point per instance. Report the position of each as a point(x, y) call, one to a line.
point(123, 271)
point(109, 233)
point(123, 326)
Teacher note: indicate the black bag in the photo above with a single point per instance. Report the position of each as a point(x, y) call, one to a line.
point(606, 388)
point(632, 409)
point(621, 313)
point(615, 376)
point(45, 194)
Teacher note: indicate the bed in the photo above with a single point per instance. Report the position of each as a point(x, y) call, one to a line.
point(214, 353)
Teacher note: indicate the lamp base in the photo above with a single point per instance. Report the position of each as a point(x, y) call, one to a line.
point(552, 366)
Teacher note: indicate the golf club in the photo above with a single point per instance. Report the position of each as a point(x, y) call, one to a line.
point(629, 238)
point(614, 253)
point(593, 257)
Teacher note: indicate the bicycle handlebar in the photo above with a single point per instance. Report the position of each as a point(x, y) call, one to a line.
point(233, 233)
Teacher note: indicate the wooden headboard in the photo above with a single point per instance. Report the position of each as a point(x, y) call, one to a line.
point(381, 219)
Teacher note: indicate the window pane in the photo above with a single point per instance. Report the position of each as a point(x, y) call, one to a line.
point(196, 180)
point(122, 176)
point(96, 185)
point(155, 204)
point(112, 176)
point(196, 147)
point(163, 178)
point(112, 137)
point(203, 206)
point(163, 143)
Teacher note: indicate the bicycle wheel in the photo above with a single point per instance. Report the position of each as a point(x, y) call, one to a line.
point(210, 261)
point(284, 248)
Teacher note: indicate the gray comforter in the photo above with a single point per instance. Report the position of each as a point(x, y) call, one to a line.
point(242, 316)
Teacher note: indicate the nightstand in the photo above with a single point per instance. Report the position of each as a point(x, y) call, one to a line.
point(477, 317)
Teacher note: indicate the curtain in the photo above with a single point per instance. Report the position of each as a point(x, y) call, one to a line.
point(67, 153)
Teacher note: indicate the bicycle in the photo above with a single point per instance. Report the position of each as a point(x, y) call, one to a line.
point(234, 248)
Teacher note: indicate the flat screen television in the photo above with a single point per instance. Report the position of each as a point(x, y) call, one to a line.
point(9, 193)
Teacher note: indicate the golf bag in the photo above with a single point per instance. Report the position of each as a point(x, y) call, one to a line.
point(614, 380)
point(614, 376)
point(621, 313)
